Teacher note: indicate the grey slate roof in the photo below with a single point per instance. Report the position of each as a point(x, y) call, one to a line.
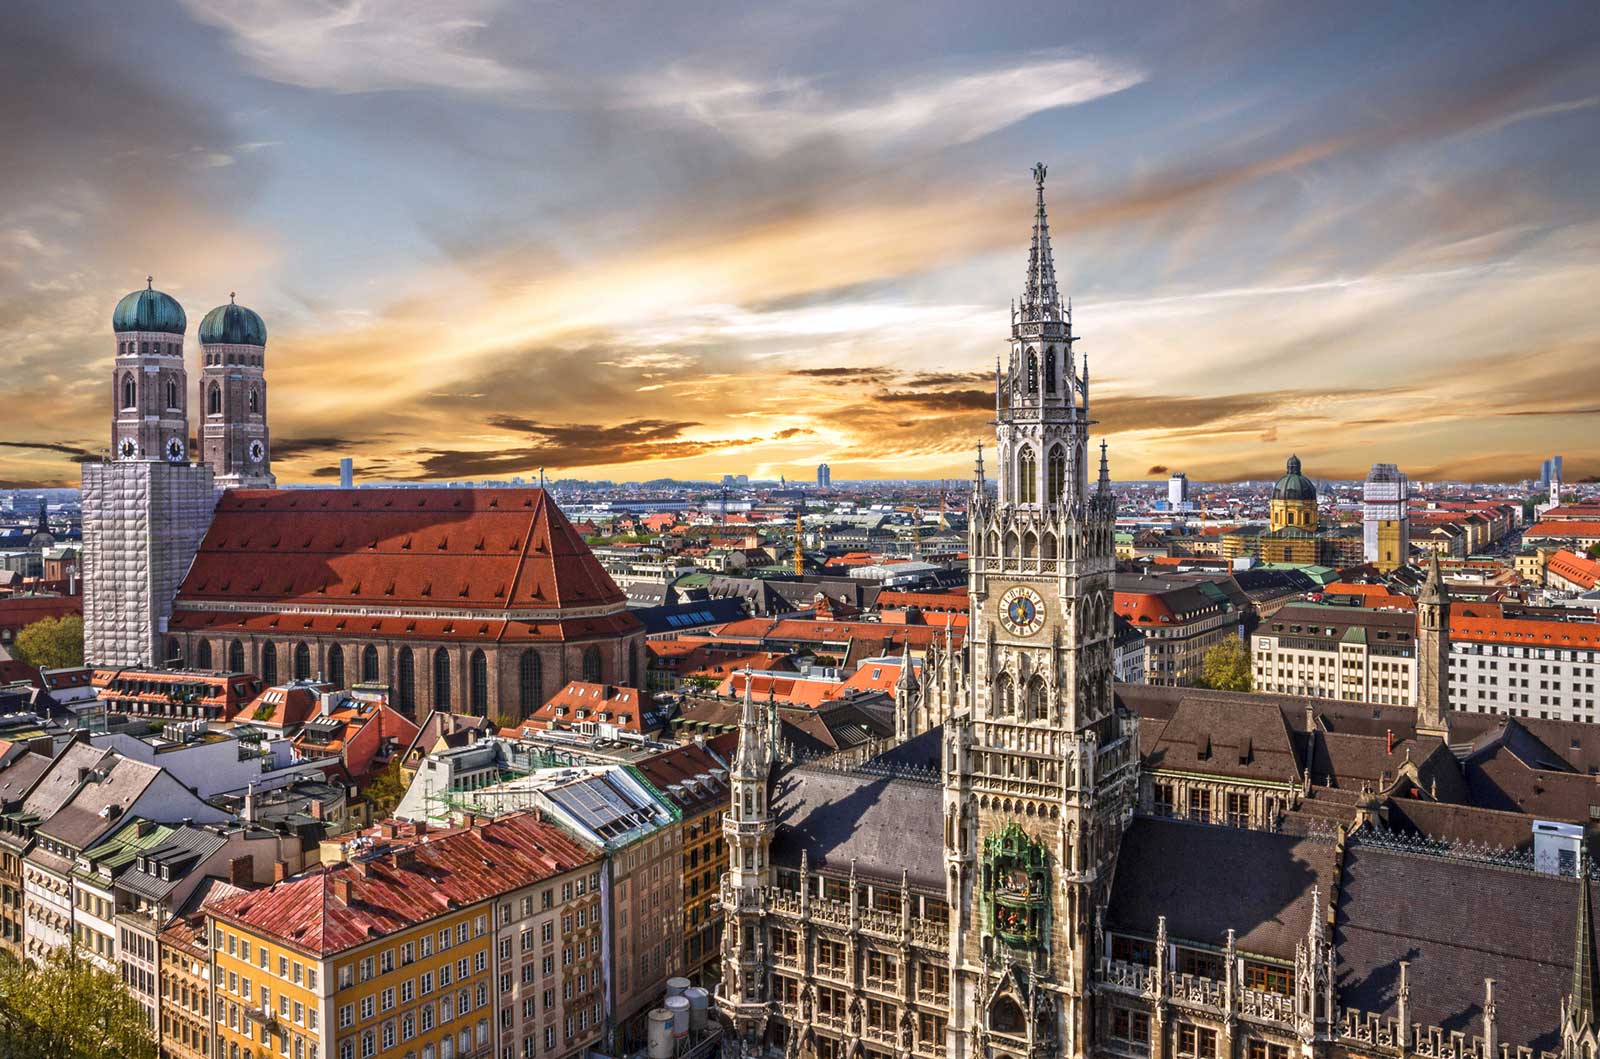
point(885, 824)
point(184, 848)
point(1456, 923)
point(1178, 869)
point(85, 817)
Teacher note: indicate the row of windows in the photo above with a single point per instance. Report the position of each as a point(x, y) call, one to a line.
point(530, 671)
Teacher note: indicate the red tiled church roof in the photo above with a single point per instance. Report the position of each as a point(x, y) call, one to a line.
point(481, 551)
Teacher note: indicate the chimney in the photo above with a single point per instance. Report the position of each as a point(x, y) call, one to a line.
point(249, 814)
point(341, 889)
point(242, 869)
point(315, 809)
point(405, 858)
point(421, 828)
point(280, 871)
point(389, 829)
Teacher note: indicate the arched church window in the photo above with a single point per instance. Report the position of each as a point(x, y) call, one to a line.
point(1033, 372)
point(172, 393)
point(441, 679)
point(1049, 371)
point(269, 664)
point(530, 674)
point(1056, 474)
point(1027, 477)
point(255, 402)
point(591, 665)
point(369, 664)
point(1030, 545)
point(214, 400)
point(406, 679)
point(336, 666)
point(1005, 1016)
point(302, 662)
point(236, 657)
point(174, 650)
point(202, 655)
point(478, 683)
point(130, 392)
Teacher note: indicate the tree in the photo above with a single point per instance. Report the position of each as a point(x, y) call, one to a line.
point(68, 1007)
point(385, 791)
point(54, 643)
point(1226, 667)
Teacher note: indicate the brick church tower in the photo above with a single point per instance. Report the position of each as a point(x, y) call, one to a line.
point(147, 507)
point(233, 397)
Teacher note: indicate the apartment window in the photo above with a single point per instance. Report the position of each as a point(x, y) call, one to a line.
point(1239, 810)
point(1268, 979)
point(1197, 1041)
point(1200, 804)
point(1268, 1050)
point(347, 1016)
point(367, 1009)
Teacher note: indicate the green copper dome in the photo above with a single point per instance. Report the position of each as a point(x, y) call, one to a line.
point(149, 310)
point(233, 325)
point(1294, 485)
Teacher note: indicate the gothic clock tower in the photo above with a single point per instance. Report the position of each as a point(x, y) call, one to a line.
point(1040, 764)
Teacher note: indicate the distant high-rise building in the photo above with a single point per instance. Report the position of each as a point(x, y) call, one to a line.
point(1544, 473)
point(824, 476)
point(1385, 520)
point(1178, 490)
point(347, 473)
point(1555, 466)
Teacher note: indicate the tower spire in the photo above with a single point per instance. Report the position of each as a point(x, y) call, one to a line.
point(1040, 299)
point(1581, 1002)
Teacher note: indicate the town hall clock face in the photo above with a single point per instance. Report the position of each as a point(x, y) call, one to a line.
point(258, 452)
point(1021, 611)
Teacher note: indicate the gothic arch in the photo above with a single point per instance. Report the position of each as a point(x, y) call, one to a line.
point(255, 401)
point(369, 664)
point(336, 666)
point(1027, 476)
point(130, 391)
point(1049, 370)
point(1051, 548)
point(302, 661)
point(1033, 372)
point(174, 650)
point(1037, 698)
point(214, 400)
point(441, 679)
point(236, 656)
point(1056, 474)
point(202, 655)
point(1010, 546)
point(530, 673)
point(1030, 545)
point(592, 668)
point(269, 663)
point(478, 683)
point(1004, 695)
point(172, 394)
point(406, 679)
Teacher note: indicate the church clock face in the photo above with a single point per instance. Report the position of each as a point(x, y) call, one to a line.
point(174, 450)
point(258, 452)
point(127, 449)
point(1021, 611)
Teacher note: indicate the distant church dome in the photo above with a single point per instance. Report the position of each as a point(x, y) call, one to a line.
point(1294, 485)
point(149, 310)
point(233, 325)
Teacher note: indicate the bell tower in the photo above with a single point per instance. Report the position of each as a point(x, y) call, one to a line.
point(1040, 763)
point(150, 389)
point(233, 397)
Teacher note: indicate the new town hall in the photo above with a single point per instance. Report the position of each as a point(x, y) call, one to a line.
point(1005, 883)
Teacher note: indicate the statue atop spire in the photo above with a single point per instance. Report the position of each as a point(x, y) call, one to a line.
point(1041, 301)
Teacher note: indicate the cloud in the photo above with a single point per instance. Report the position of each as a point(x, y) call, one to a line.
point(1155, 472)
point(570, 445)
point(73, 453)
point(774, 117)
point(293, 448)
point(362, 46)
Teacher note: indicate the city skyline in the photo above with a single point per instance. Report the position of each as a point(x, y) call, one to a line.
point(1359, 238)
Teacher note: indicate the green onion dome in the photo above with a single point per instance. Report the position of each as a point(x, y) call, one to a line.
point(233, 325)
point(149, 310)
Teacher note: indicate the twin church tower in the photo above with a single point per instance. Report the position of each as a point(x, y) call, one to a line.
point(146, 509)
point(151, 418)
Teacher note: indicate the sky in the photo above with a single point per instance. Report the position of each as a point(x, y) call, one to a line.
point(641, 240)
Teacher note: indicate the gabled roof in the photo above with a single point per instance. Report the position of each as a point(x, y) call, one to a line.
point(347, 904)
point(480, 550)
point(582, 702)
point(1229, 737)
point(881, 824)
